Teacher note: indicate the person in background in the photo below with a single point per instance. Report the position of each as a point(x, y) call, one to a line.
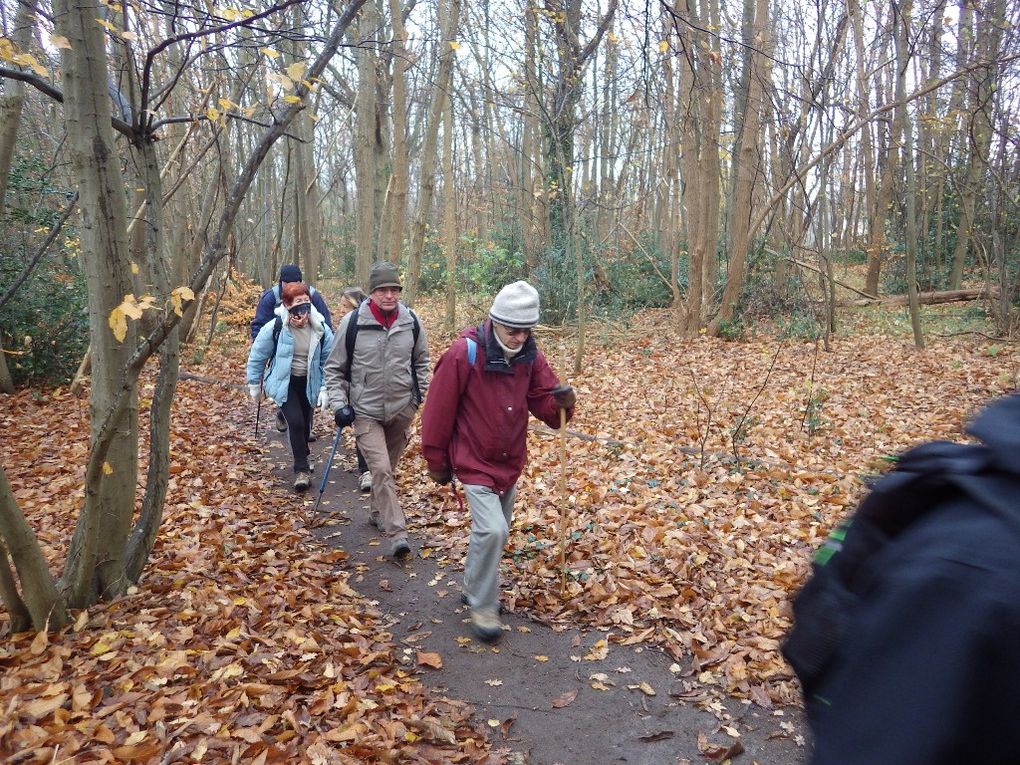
point(270, 301)
point(295, 346)
point(475, 425)
point(377, 389)
point(352, 298)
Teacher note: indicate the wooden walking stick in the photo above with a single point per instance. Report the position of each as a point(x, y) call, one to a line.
point(563, 503)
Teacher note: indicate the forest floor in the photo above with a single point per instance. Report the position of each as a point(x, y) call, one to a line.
point(700, 476)
point(551, 695)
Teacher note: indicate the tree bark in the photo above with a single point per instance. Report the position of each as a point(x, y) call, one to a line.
point(399, 179)
point(40, 598)
point(748, 168)
point(427, 187)
point(449, 216)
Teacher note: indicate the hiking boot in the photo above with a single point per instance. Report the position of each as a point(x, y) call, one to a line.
point(365, 482)
point(281, 421)
point(302, 480)
point(464, 601)
point(486, 626)
point(401, 550)
point(312, 438)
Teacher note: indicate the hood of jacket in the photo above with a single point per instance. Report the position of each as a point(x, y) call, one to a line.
point(998, 427)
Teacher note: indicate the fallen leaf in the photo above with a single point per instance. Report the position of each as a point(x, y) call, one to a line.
point(564, 699)
point(430, 659)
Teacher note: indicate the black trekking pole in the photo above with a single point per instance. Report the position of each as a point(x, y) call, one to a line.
point(329, 465)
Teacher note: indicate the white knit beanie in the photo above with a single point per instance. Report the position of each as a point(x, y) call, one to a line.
point(516, 306)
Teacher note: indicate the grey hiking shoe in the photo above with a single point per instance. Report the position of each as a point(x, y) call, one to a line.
point(365, 482)
point(302, 480)
point(401, 550)
point(281, 421)
point(486, 626)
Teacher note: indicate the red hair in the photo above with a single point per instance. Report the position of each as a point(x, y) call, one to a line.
point(291, 290)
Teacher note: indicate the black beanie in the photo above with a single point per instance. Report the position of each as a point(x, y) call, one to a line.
point(290, 273)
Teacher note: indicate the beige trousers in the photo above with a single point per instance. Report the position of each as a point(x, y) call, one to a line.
point(381, 444)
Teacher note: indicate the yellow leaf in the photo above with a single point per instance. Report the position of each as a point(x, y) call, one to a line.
point(212, 113)
point(292, 99)
point(454, 45)
point(226, 104)
point(494, 723)
point(6, 49)
point(118, 323)
point(134, 268)
point(296, 71)
point(541, 658)
point(177, 298)
point(269, 52)
point(107, 467)
point(81, 621)
point(494, 683)
point(106, 25)
point(59, 41)
point(27, 59)
point(663, 46)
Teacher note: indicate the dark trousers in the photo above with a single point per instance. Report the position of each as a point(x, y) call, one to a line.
point(298, 413)
point(362, 465)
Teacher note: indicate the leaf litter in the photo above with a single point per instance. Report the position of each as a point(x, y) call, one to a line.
point(692, 515)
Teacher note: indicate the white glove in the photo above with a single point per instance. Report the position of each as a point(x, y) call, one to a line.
point(323, 399)
point(255, 391)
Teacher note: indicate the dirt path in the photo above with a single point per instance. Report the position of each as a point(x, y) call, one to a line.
point(546, 697)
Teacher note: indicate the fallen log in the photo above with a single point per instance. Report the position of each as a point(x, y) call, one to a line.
point(928, 298)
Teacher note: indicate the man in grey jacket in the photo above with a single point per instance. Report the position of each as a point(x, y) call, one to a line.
point(378, 389)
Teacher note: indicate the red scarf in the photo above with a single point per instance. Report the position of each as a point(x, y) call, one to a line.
point(386, 319)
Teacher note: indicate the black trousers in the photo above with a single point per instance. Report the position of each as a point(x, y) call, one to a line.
point(298, 412)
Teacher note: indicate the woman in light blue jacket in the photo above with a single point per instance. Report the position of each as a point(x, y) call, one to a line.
point(295, 346)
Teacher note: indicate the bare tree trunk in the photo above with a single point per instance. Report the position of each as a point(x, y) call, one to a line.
point(40, 600)
point(867, 149)
point(449, 216)
point(748, 168)
point(444, 79)
point(11, 104)
point(364, 152)
point(13, 99)
point(906, 148)
point(398, 181)
point(95, 564)
point(983, 84)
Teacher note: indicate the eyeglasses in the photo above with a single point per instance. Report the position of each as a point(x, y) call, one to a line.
point(301, 309)
point(515, 331)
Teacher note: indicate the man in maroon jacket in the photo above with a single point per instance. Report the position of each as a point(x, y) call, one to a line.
point(475, 424)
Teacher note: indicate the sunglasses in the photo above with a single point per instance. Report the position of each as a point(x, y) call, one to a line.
point(302, 309)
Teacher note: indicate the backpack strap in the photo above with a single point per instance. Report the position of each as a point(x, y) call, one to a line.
point(277, 328)
point(472, 349)
point(275, 289)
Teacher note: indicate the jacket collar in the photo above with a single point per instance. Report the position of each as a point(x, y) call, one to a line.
point(494, 359)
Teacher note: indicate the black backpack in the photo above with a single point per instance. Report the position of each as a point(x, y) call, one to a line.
point(926, 477)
